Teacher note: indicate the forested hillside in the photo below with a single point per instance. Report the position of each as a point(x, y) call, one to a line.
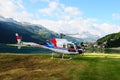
point(111, 40)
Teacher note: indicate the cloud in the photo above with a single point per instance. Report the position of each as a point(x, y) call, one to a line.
point(71, 26)
point(116, 16)
point(71, 20)
point(72, 11)
point(60, 11)
point(14, 9)
point(49, 11)
point(80, 26)
point(107, 28)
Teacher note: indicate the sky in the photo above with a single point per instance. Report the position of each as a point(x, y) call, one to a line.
point(98, 17)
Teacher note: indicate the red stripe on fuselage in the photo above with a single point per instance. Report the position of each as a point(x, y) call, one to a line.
point(53, 40)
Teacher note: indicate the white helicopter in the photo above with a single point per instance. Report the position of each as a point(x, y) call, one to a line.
point(58, 45)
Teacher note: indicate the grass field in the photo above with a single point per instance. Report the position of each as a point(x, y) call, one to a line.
point(42, 67)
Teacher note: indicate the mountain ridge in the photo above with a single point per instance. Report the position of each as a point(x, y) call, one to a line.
point(29, 32)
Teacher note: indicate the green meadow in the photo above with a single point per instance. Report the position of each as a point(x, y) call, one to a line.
point(89, 66)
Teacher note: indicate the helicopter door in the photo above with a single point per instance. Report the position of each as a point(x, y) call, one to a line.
point(71, 48)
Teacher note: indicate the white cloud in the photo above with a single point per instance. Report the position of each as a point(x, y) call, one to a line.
point(71, 26)
point(50, 9)
point(107, 28)
point(14, 9)
point(60, 11)
point(80, 26)
point(72, 11)
point(116, 16)
point(70, 20)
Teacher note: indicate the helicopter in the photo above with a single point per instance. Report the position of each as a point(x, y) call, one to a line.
point(59, 45)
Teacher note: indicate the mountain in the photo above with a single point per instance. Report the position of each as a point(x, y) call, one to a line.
point(111, 40)
point(87, 36)
point(29, 32)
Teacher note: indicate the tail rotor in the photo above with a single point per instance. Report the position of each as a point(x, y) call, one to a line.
point(19, 42)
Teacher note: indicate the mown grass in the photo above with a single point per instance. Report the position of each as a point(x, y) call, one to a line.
point(42, 67)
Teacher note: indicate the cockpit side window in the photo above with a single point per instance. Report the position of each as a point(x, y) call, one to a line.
point(64, 46)
point(71, 47)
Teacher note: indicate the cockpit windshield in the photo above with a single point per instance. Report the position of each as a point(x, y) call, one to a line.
point(78, 46)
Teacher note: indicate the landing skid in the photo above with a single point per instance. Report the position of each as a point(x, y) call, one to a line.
point(61, 56)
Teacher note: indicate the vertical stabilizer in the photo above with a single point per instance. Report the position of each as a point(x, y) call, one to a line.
point(18, 38)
